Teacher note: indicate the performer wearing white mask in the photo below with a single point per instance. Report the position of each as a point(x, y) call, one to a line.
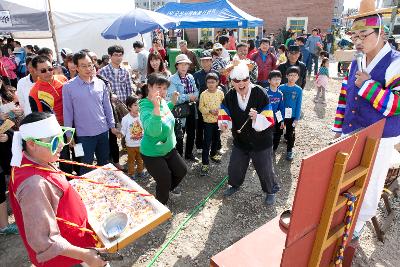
point(370, 94)
point(50, 215)
point(247, 112)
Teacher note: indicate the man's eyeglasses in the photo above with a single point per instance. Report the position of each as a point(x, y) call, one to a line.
point(90, 66)
point(238, 81)
point(49, 69)
point(355, 37)
point(56, 140)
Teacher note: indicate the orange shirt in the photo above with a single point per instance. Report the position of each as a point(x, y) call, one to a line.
point(47, 97)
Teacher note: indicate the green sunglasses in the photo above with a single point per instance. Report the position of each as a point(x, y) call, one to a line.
point(56, 140)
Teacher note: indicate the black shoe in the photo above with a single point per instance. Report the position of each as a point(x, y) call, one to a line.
point(230, 191)
point(191, 158)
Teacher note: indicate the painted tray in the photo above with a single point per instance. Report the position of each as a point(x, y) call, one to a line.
point(106, 192)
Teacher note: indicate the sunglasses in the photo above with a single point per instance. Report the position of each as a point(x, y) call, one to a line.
point(49, 69)
point(238, 81)
point(56, 140)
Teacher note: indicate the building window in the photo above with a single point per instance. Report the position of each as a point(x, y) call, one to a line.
point(297, 24)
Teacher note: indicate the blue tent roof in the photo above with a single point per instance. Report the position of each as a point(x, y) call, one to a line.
point(213, 14)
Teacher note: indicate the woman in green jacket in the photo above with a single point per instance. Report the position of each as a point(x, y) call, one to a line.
point(160, 157)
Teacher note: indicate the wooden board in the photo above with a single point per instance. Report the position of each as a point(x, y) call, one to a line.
point(261, 248)
point(312, 188)
point(97, 201)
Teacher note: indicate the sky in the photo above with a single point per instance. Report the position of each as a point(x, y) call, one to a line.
point(351, 4)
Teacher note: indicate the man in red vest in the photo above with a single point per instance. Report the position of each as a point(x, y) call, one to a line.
point(266, 62)
point(49, 213)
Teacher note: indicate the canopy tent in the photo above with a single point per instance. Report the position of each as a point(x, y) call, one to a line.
point(78, 24)
point(213, 14)
point(23, 15)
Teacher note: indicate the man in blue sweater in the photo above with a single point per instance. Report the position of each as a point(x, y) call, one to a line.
point(292, 98)
point(312, 45)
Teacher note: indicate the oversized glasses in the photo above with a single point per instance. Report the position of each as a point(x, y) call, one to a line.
point(49, 69)
point(355, 37)
point(56, 140)
point(238, 81)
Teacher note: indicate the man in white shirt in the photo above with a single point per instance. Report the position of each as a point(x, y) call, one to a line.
point(142, 56)
point(25, 85)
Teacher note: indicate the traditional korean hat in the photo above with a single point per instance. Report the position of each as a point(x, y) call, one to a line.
point(368, 8)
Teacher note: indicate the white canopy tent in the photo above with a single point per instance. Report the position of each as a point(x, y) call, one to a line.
point(79, 23)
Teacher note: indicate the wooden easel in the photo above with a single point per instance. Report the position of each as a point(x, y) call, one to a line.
point(316, 227)
point(353, 182)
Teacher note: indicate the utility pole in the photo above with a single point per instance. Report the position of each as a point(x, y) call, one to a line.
point(394, 14)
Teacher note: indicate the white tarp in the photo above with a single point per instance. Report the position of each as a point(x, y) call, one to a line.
point(79, 23)
point(23, 15)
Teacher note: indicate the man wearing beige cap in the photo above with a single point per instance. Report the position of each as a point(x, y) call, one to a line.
point(184, 83)
point(192, 56)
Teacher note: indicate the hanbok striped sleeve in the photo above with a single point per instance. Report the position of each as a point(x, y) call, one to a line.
point(224, 117)
point(384, 98)
point(341, 107)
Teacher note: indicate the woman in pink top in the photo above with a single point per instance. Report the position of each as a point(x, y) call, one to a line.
point(7, 67)
point(232, 41)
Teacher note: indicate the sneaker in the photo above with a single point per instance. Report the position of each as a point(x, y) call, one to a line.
point(204, 170)
point(191, 158)
point(10, 229)
point(323, 102)
point(230, 191)
point(216, 159)
point(315, 100)
point(270, 199)
point(289, 156)
point(176, 192)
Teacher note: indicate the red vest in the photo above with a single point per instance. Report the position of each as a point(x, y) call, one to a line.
point(264, 68)
point(70, 208)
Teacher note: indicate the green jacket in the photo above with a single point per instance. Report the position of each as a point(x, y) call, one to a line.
point(159, 136)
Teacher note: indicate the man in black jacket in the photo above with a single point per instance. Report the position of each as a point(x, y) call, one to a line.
point(293, 60)
point(247, 112)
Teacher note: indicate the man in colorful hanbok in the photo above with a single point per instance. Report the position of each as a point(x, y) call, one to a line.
point(370, 94)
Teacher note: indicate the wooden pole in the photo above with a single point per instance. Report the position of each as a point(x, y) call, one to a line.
point(53, 31)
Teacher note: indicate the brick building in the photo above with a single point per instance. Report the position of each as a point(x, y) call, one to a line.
point(278, 14)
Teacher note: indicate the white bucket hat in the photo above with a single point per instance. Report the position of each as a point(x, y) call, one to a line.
point(182, 58)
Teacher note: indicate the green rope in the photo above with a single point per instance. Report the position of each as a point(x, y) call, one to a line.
point(192, 213)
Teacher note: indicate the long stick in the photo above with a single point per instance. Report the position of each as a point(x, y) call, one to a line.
point(193, 212)
point(244, 124)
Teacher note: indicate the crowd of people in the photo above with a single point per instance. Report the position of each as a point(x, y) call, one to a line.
point(88, 110)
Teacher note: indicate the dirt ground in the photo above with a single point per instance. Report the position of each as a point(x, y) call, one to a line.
point(224, 221)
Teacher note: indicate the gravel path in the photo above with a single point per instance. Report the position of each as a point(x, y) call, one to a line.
point(224, 221)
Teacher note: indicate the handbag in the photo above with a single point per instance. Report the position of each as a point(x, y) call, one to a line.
point(181, 110)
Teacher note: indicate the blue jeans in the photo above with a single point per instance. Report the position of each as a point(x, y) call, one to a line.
point(211, 139)
point(92, 145)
